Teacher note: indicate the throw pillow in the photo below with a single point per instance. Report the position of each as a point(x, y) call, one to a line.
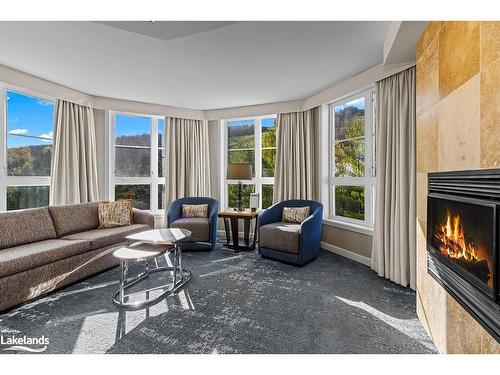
point(194, 210)
point(295, 214)
point(115, 214)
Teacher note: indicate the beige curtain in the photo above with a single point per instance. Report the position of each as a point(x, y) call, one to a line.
point(394, 247)
point(296, 174)
point(73, 177)
point(188, 159)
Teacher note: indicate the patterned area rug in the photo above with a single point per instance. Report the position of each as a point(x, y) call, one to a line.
point(236, 303)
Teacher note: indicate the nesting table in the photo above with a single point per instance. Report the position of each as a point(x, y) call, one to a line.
point(145, 246)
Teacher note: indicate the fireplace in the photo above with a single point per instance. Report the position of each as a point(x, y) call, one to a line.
point(463, 211)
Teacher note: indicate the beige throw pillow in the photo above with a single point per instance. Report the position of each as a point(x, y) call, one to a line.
point(115, 214)
point(295, 214)
point(194, 210)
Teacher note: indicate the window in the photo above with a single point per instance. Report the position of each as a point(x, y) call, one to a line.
point(251, 141)
point(132, 146)
point(268, 126)
point(138, 157)
point(140, 195)
point(26, 152)
point(352, 176)
point(161, 163)
point(20, 197)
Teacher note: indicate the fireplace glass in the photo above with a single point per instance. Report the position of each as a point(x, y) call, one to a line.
point(461, 232)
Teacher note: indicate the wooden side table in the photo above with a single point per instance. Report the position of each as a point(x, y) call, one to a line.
point(231, 218)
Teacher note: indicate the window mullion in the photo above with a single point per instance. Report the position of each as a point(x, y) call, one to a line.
point(3, 193)
point(258, 158)
point(112, 154)
point(3, 148)
point(154, 165)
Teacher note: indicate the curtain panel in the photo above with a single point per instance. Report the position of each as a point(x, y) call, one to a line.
point(188, 159)
point(296, 173)
point(394, 240)
point(73, 177)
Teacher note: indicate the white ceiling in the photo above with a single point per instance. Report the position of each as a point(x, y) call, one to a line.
point(202, 65)
point(167, 30)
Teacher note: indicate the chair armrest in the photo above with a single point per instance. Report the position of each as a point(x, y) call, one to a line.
point(173, 213)
point(214, 211)
point(271, 215)
point(143, 217)
point(212, 221)
point(310, 229)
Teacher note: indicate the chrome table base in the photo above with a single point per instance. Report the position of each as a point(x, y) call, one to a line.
point(181, 276)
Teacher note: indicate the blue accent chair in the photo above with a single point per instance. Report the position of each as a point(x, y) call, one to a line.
point(203, 230)
point(287, 242)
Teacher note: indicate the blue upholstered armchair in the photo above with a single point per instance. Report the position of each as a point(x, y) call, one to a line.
point(203, 230)
point(290, 242)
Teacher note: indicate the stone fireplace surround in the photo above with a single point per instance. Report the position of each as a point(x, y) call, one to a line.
point(458, 85)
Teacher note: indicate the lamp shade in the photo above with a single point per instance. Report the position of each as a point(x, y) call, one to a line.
point(239, 171)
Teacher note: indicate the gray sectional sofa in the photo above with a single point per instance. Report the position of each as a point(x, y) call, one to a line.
point(43, 249)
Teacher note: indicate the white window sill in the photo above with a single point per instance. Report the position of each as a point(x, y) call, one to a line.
point(363, 229)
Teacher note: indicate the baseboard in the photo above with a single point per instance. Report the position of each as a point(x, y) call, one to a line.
point(346, 253)
point(326, 246)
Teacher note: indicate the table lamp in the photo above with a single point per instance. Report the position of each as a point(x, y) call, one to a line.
point(239, 171)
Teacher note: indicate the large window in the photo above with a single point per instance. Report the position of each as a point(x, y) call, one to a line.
point(251, 141)
point(352, 172)
point(138, 160)
point(26, 150)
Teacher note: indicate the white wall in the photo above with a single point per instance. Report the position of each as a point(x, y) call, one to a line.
point(215, 154)
point(337, 91)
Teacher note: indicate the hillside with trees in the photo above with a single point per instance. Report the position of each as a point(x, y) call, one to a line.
point(350, 161)
point(31, 160)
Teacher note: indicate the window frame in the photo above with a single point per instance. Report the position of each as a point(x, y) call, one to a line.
point(257, 180)
point(153, 180)
point(367, 181)
point(16, 181)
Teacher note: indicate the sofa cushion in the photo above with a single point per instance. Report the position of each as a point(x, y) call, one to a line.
point(75, 218)
point(115, 214)
point(24, 257)
point(198, 226)
point(295, 214)
point(195, 210)
point(280, 236)
point(108, 236)
point(25, 226)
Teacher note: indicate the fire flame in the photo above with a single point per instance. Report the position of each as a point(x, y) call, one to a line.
point(452, 240)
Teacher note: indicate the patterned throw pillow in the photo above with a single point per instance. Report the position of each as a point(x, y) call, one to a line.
point(115, 214)
point(195, 210)
point(295, 214)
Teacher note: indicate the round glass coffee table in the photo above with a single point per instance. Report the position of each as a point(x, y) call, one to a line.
point(145, 246)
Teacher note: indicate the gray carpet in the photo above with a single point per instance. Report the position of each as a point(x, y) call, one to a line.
point(236, 303)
